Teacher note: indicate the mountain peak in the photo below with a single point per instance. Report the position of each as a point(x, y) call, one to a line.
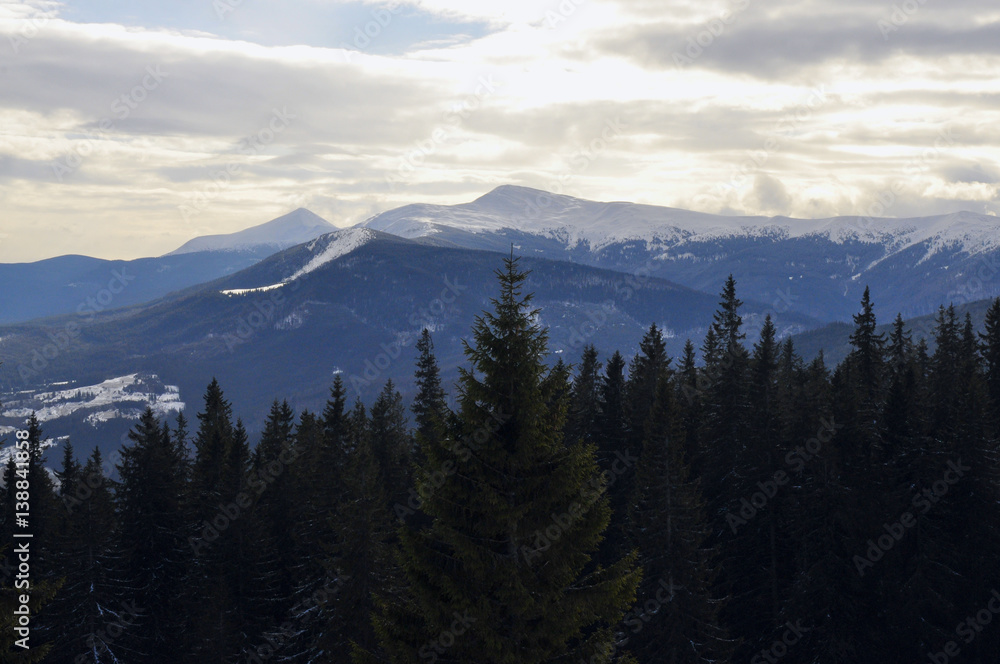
point(506, 194)
point(298, 226)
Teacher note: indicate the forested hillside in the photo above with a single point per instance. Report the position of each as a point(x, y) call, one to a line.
point(732, 504)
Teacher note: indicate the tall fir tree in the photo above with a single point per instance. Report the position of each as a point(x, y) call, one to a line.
point(153, 543)
point(990, 339)
point(677, 618)
point(485, 572)
point(585, 399)
point(89, 610)
point(430, 407)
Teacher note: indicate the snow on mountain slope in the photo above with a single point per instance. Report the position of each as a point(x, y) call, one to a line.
point(286, 231)
point(573, 221)
point(121, 397)
point(337, 245)
point(324, 249)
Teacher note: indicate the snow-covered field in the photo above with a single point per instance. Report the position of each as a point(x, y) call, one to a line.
point(121, 397)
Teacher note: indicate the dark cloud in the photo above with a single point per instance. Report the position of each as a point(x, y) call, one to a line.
point(782, 41)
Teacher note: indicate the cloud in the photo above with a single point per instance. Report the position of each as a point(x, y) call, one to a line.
point(795, 108)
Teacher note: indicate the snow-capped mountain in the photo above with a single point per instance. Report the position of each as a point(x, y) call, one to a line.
point(281, 233)
point(819, 266)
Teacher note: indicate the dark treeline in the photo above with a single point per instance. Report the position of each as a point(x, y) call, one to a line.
point(750, 507)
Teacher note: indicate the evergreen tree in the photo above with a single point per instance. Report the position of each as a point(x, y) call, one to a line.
point(272, 479)
point(495, 571)
point(88, 612)
point(585, 399)
point(991, 354)
point(725, 400)
point(613, 440)
point(676, 619)
point(690, 399)
point(392, 444)
point(325, 445)
point(754, 543)
point(151, 540)
point(430, 409)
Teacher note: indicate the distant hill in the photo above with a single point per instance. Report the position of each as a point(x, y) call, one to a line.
point(834, 339)
point(84, 286)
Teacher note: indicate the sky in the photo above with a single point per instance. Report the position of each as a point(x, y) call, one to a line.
point(127, 127)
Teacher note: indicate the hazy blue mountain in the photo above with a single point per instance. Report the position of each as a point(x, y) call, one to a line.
point(85, 286)
point(351, 302)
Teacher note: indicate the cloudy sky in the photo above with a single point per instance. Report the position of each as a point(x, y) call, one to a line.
point(128, 126)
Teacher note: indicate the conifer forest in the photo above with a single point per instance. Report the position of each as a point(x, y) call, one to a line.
point(734, 504)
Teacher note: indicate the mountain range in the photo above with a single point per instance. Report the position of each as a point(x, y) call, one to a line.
point(819, 267)
point(278, 310)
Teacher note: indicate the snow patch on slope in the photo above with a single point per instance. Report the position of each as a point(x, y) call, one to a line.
point(342, 244)
point(247, 291)
point(337, 244)
point(105, 398)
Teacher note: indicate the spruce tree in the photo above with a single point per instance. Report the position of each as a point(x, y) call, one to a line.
point(676, 619)
point(152, 543)
point(392, 444)
point(274, 463)
point(321, 471)
point(89, 612)
point(430, 409)
point(502, 574)
point(613, 438)
point(725, 399)
point(990, 339)
point(585, 399)
point(754, 542)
